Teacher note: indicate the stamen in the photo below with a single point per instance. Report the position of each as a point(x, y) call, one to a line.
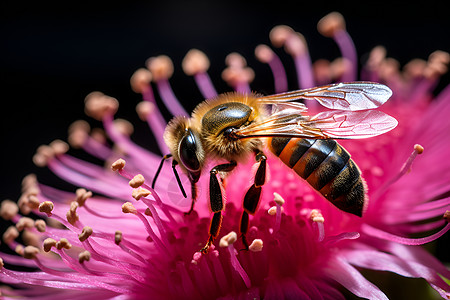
point(318, 220)
point(84, 256)
point(279, 202)
point(117, 237)
point(161, 68)
point(82, 196)
point(333, 25)
point(24, 222)
point(85, 233)
point(97, 105)
point(237, 74)
point(266, 55)
point(403, 240)
point(40, 225)
point(256, 245)
point(118, 165)
point(227, 241)
point(63, 243)
point(8, 210)
point(10, 235)
point(46, 207)
point(196, 63)
point(30, 252)
point(140, 192)
point(72, 215)
point(137, 181)
point(418, 149)
point(140, 80)
point(48, 244)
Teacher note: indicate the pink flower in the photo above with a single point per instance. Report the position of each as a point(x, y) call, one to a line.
point(129, 239)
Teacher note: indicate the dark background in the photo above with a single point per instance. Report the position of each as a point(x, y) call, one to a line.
point(52, 56)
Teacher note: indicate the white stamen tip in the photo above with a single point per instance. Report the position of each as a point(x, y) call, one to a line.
point(418, 148)
point(118, 165)
point(316, 216)
point(278, 199)
point(228, 239)
point(137, 181)
point(256, 245)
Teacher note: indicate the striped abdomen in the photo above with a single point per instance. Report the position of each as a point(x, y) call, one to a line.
point(327, 167)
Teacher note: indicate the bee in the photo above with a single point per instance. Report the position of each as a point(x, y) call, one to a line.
point(234, 125)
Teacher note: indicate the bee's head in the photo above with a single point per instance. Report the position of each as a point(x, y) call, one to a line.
point(185, 145)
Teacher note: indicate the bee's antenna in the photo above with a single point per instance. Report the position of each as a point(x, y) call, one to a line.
point(167, 156)
point(174, 164)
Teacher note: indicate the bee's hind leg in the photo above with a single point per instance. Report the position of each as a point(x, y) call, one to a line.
point(251, 199)
point(216, 202)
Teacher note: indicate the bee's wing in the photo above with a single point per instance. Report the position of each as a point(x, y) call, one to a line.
point(326, 125)
point(340, 96)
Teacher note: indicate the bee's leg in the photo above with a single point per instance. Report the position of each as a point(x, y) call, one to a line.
point(193, 178)
point(251, 199)
point(216, 202)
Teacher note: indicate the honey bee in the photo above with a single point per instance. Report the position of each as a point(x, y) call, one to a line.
point(234, 125)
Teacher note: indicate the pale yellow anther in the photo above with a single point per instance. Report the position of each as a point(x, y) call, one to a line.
point(296, 44)
point(78, 133)
point(140, 192)
point(82, 195)
point(10, 234)
point(235, 60)
point(228, 239)
point(137, 181)
point(376, 57)
point(278, 199)
point(124, 127)
point(59, 147)
point(19, 249)
point(97, 105)
point(195, 62)
point(118, 165)
point(72, 215)
point(263, 53)
point(85, 233)
point(30, 252)
point(161, 67)
point(40, 225)
point(84, 256)
point(128, 208)
point(330, 24)
point(273, 210)
point(48, 244)
point(279, 34)
point(8, 209)
point(44, 153)
point(234, 75)
point(256, 245)
point(316, 216)
point(144, 109)
point(46, 207)
point(24, 222)
point(63, 243)
point(117, 237)
point(140, 80)
point(33, 202)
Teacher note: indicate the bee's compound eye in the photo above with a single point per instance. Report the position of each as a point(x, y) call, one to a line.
point(188, 152)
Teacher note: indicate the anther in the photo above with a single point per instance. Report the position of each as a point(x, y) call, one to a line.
point(140, 192)
point(148, 212)
point(195, 62)
point(256, 245)
point(263, 53)
point(140, 80)
point(46, 207)
point(84, 256)
point(118, 237)
point(144, 109)
point(124, 127)
point(97, 105)
point(24, 222)
point(40, 225)
point(63, 243)
point(278, 199)
point(228, 239)
point(161, 67)
point(279, 34)
point(118, 165)
point(316, 216)
point(128, 208)
point(137, 181)
point(418, 148)
point(78, 133)
point(1, 263)
point(330, 24)
point(447, 216)
point(72, 215)
point(273, 210)
point(85, 233)
point(44, 154)
point(48, 244)
point(59, 147)
point(10, 234)
point(33, 201)
point(8, 210)
point(30, 252)
point(81, 196)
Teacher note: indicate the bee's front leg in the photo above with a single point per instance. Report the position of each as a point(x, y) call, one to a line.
point(251, 199)
point(216, 202)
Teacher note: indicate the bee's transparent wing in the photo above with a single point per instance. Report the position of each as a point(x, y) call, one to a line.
point(351, 96)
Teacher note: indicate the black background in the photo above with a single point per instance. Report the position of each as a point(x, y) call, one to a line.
point(52, 56)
